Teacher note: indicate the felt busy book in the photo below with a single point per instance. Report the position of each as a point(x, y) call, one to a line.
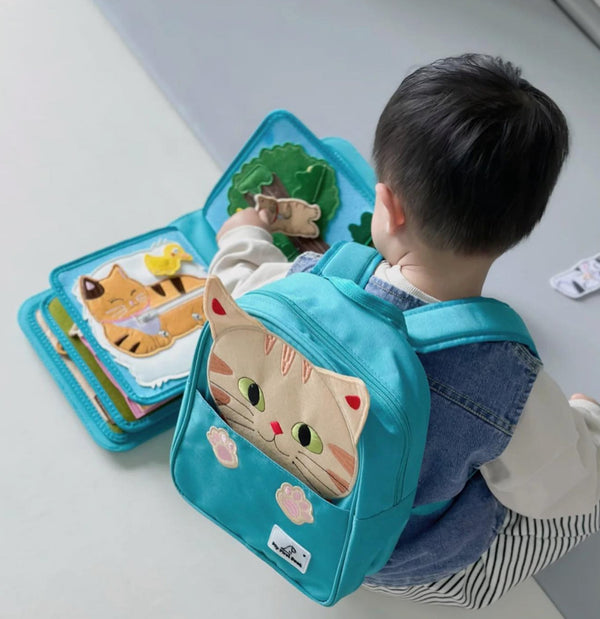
point(118, 327)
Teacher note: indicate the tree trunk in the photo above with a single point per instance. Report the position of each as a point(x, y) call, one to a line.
point(276, 189)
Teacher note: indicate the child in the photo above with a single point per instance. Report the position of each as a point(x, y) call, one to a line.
point(467, 154)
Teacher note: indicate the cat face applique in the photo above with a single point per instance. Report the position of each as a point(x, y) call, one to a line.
point(305, 418)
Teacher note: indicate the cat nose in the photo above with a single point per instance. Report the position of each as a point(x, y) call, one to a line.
point(276, 427)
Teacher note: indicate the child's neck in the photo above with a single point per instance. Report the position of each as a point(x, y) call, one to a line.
point(444, 275)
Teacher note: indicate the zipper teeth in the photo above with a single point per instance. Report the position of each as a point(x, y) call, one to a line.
point(398, 420)
point(176, 302)
point(355, 364)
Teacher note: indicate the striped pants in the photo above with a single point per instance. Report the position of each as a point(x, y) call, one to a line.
point(524, 546)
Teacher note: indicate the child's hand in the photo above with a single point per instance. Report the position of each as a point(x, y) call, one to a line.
point(581, 396)
point(245, 217)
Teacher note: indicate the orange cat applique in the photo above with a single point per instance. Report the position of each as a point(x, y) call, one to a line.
point(141, 320)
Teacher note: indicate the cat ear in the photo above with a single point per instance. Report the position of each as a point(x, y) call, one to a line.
point(117, 269)
point(352, 397)
point(90, 288)
point(221, 311)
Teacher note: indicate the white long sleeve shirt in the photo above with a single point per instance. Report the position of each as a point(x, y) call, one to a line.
point(551, 466)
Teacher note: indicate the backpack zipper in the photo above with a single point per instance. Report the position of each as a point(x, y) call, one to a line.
point(397, 419)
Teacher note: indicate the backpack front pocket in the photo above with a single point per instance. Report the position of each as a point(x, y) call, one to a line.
point(269, 510)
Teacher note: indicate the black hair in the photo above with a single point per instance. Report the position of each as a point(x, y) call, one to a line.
point(474, 151)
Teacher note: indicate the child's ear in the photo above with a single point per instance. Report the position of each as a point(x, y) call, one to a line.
point(393, 205)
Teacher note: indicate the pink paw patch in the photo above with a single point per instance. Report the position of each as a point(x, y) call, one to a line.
point(294, 504)
point(223, 446)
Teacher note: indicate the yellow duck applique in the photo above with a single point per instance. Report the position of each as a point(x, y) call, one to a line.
point(170, 261)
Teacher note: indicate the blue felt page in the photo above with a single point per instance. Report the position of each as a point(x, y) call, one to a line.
point(147, 379)
point(195, 233)
point(355, 184)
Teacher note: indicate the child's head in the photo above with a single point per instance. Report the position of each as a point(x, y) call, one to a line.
point(472, 151)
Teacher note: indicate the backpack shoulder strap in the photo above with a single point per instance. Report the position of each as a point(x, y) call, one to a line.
point(436, 326)
point(348, 260)
point(465, 321)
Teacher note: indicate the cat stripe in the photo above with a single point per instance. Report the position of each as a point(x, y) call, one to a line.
point(306, 370)
point(269, 343)
point(287, 358)
point(159, 289)
point(178, 284)
point(341, 484)
point(122, 339)
point(217, 365)
point(219, 395)
point(343, 457)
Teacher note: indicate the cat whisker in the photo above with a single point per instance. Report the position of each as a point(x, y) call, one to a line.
point(339, 480)
point(317, 479)
point(303, 455)
point(301, 474)
point(242, 403)
point(237, 423)
point(233, 410)
point(116, 312)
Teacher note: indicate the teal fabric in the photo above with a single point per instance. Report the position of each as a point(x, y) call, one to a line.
point(465, 321)
point(346, 540)
point(63, 278)
point(349, 260)
point(330, 319)
point(353, 158)
point(91, 419)
point(478, 391)
point(355, 180)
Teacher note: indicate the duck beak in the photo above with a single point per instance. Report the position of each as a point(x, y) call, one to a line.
point(181, 255)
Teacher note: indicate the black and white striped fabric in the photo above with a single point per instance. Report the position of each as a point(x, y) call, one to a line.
point(523, 547)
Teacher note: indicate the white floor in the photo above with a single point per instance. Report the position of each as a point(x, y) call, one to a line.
point(92, 153)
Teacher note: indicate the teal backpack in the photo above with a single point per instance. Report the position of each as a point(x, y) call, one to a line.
point(324, 542)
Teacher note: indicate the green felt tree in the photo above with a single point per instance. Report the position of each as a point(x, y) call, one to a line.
point(361, 233)
point(287, 171)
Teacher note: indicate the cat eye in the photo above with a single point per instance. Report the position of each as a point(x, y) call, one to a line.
point(307, 437)
point(252, 392)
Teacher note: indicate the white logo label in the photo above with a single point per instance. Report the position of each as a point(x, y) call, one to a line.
point(285, 547)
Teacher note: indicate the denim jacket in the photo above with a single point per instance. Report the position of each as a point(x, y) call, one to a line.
point(478, 392)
